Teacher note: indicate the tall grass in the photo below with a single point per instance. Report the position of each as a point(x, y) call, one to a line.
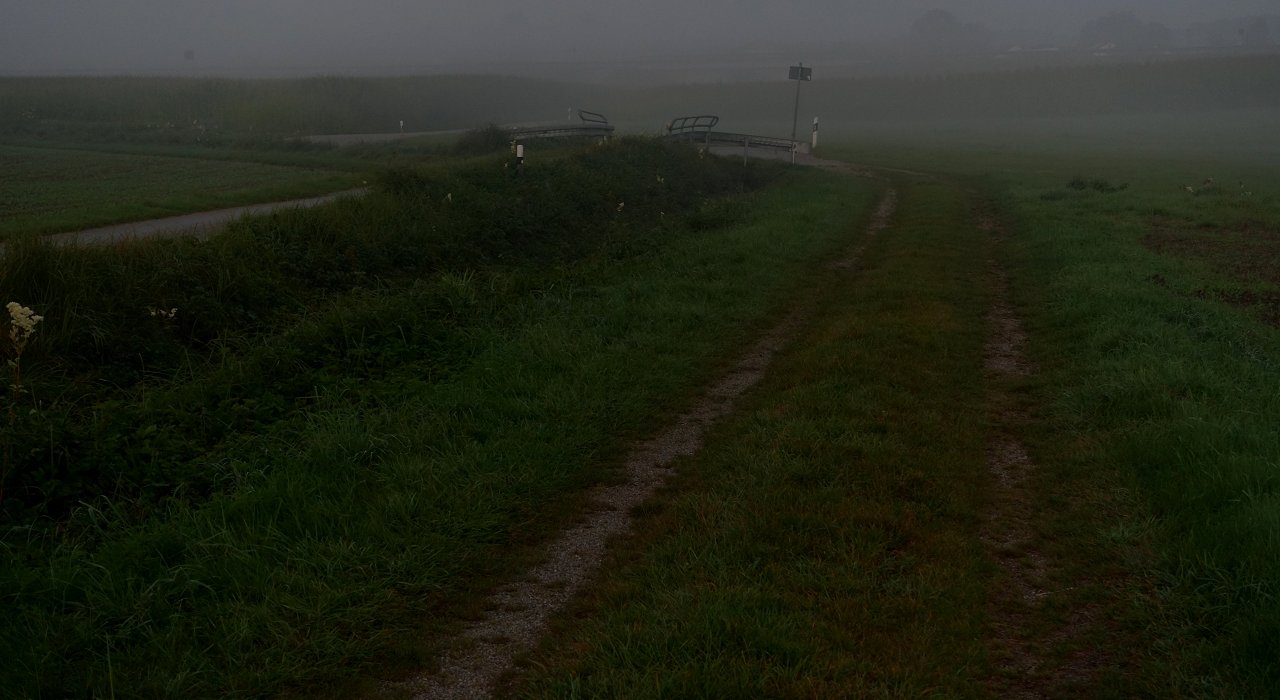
point(263, 273)
point(358, 456)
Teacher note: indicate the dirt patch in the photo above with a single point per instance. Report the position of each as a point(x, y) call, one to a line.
point(1003, 352)
point(879, 222)
point(1026, 640)
point(1265, 304)
point(1249, 256)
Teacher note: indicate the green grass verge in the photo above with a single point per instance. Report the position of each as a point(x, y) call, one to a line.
point(824, 542)
point(1153, 312)
point(52, 190)
point(335, 537)
point(1150, 377)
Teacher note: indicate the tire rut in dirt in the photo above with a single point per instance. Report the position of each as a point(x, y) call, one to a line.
point(518, 614)
point(1026, 665)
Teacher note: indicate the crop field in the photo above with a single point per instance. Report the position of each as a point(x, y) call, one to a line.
point(1014, 434)
point(44, 190)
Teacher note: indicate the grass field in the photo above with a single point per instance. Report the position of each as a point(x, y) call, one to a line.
point(362, 418)
point(825, 541)
point(45, 190)
point(404, 465)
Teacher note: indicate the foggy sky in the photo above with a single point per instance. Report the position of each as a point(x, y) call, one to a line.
point(153, 36)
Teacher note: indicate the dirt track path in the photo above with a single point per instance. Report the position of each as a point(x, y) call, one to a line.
point(1037, 651)
point(518, 614)
point(1039, 627)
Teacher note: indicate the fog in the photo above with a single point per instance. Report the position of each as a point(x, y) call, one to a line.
point(300, 37)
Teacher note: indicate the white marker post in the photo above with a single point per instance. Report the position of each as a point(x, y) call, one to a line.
point(813, 143)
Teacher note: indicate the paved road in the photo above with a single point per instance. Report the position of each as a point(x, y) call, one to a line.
point(199, 225)
point(352, 139)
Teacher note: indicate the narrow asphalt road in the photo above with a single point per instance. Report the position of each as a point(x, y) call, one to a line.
point(200, 224)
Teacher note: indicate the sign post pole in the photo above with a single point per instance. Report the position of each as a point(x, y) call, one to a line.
point(799, 74)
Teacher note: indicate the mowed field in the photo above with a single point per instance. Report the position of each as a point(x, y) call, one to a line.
point(51, 190)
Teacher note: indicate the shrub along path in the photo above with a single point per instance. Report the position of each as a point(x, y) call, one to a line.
point(405, 395)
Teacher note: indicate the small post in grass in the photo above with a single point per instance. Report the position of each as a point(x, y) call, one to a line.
point(517, 149)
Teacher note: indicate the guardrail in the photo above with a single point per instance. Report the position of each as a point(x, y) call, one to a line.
point(709, 139)
point(592, 125)
point(699, 130)
point(699, 124)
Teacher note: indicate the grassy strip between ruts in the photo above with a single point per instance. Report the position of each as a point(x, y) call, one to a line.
point(825, 542)
point(335, 546)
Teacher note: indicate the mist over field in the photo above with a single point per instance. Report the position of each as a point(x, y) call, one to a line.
point(324, 320)
point(304, 37)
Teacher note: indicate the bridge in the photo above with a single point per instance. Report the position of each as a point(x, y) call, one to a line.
point(701, 130)
point(589, 124)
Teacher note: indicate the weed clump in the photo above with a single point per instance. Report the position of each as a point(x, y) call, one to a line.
point(483, 141)
point(1081, 184)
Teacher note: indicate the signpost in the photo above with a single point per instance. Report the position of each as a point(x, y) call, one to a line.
point(800, 74)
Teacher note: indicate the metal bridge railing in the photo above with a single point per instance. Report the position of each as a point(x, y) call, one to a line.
point(592, 124)
point(696, 124)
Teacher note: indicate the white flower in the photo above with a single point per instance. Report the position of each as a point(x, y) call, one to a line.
point(22, 324)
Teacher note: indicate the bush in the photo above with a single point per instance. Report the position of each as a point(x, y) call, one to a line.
point(483, 141)
point(130, 403)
